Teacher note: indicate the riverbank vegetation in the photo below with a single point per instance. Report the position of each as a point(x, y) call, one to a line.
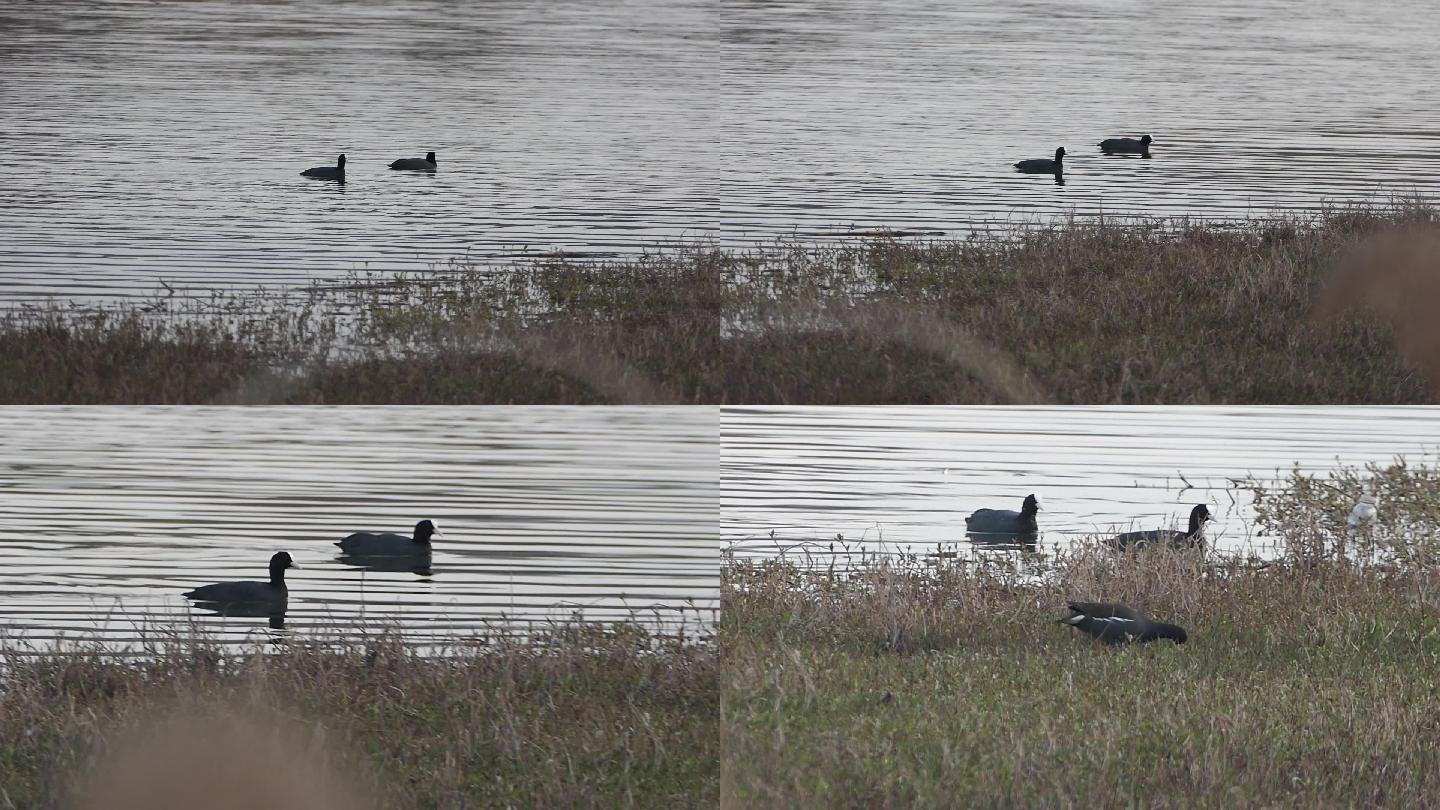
point(1334, 307)
point(643, 330)
point(1329, 308)
point(1310, 678)
point(583, 716)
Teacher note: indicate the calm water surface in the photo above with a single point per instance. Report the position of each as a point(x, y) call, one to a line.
point(893, 479)
point(150, 142)
point(108, 514)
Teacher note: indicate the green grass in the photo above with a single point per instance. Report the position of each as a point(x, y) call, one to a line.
point(587, 717)
point(1311, 680)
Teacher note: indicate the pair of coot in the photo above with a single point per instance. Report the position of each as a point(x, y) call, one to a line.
point(1006, 522)
point(1110, 146)
point(337, 172)
point(250, 596)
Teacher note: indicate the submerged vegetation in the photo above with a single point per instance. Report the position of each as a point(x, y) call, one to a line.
point(585, 716)
point(1311, 679)
point(1330, 308)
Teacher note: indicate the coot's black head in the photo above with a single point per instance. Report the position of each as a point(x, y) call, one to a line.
point(424, 530)
point(430, 156)
point(1145, 140)
point(340, 162)
point(1200, 513)
point(280, 561)
point(1032, 505)
point(1179, 635)
point(1059, 154)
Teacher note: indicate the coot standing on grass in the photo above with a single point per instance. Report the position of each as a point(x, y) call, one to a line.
point(425, 164)
point(1110, 623)
point(1042, 166)
point(1126, 146)
point(1192, 538)
point(389, 542)
point(336, 172)
point(248, 595)
point(1004, 521)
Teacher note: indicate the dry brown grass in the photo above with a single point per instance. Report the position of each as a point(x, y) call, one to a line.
point(583, 717)
point(643, 331)
point(1097, 312)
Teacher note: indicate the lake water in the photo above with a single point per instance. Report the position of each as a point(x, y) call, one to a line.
point(107, 515)
point(150, 142)
point(903, 479)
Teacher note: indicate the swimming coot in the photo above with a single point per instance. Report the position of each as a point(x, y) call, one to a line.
point(1117, 624)
point(425, 164)
point(242, 594)
point(1042, 166)
point(1004, 521)
point(336, 172)
point(1125, 146)
point(389, 543)
point(1192, 538)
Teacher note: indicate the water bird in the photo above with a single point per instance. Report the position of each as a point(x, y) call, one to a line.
point(336, 172)
point(1365, 511)
point(389, 543)
point(1042, 166)
point(1004, 521)
point(1126, 146)
point(248, 594)
point(1110, 623)
point(425, 164)
point(1191, 538)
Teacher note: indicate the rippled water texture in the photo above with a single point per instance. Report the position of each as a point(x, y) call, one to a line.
point(107, 515)
point(163, 141)
point(148, 141)
point(893, 479)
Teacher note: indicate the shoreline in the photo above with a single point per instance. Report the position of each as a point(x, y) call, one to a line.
point(1328, 308)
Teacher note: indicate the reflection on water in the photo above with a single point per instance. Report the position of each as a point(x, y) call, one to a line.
point(109, 515)
point(148, 141)
point(904, 479)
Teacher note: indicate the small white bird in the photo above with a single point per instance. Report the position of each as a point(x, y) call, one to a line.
point(1364, 511)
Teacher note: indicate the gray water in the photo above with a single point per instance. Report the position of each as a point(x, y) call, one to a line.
point(149, 142)
point(903, 479)
point(107, 515)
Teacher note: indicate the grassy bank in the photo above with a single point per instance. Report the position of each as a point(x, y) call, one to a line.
point(644, 330)
point(1334, 308)
point(1312, 680)
point(1331, 308)
point(585, 718)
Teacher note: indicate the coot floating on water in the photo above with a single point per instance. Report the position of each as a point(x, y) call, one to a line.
point(1042, 166)
point(1191, 538)
point(273, 592)
point(425, 164)
point(1125, 146)
point(390, 543)
point(336, 172)
point(1004, 521)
